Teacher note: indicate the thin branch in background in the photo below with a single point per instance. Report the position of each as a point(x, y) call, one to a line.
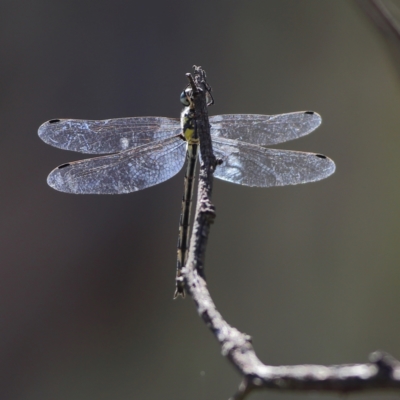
point(382, 372)
point(383, 16)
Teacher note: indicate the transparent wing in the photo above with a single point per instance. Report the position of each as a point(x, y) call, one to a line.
point(250, 165)
point(108, 135)
point(264, 130)
point(124, 172)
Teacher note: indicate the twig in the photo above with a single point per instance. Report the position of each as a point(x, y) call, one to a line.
point(382, 372)
point(205, 211)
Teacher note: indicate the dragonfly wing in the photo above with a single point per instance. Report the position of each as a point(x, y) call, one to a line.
point(124, 172)
point(251, 165)
point(108, 135)
point(264, 130)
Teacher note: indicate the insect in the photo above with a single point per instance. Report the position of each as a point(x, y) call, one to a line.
point(144, 151)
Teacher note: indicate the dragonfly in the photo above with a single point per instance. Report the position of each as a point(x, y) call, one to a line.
point(145, 151)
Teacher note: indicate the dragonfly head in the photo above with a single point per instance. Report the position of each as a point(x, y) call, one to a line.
point(186, 97)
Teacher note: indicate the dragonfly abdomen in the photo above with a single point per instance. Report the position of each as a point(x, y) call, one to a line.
point(184, 222)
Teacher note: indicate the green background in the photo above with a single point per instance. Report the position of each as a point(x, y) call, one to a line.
point(311, 272)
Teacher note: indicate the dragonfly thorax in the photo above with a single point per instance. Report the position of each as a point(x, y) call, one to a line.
point(188, 125)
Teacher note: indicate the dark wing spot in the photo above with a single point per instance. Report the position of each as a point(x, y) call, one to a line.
point(320, 156)
point(63, 165)
point(309, 112)
point(54, 121)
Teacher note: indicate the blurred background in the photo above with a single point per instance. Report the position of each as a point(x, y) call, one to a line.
point(86, 282)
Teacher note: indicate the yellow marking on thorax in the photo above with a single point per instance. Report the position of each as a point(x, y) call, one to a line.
point(188, 133)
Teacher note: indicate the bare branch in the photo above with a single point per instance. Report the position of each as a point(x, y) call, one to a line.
point(383, 371)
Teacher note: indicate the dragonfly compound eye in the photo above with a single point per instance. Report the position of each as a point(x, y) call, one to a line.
point(184, 99)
